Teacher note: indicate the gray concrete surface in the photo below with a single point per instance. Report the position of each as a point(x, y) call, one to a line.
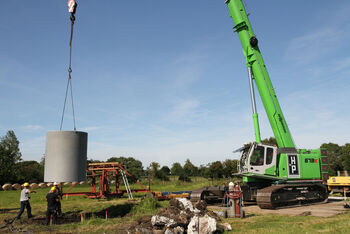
point(331, 208)
point(65, 156)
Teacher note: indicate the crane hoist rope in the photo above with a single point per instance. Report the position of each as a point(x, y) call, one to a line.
point(72, 6)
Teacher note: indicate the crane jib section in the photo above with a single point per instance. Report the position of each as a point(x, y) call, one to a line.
point(255, 61)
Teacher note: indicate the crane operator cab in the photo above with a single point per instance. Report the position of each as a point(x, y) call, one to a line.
point(258, 159)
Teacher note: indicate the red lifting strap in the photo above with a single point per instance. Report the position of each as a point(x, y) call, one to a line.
point(235, 195)
point(71, 6)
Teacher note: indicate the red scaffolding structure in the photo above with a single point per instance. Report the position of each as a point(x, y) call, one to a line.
point(104, 172)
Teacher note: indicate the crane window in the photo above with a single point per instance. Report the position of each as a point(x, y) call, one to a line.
point(269, 155)
point(257, 158)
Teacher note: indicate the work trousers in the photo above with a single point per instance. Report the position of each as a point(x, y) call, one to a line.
point(49, 212)
point(59, 211)
point(25, 204)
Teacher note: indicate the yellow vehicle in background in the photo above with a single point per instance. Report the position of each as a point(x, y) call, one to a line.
point(165, 195)
point(339, 184)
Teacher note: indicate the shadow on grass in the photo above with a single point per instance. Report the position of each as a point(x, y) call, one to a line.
point(67, 217)
point(114, 211)
point(11, 210)
point(249, 215)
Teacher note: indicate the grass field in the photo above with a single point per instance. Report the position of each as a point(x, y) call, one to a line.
point(122, 213)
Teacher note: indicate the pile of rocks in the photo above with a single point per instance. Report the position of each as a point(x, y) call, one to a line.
point(181, 217)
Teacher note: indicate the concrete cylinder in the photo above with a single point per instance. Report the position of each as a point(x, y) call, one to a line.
point(65, 156)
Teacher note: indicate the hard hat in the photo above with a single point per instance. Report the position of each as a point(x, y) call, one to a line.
point(55, 183)
point(26, 184)
point(53, 188)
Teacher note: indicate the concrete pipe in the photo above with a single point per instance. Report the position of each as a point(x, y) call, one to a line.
point(65, 156)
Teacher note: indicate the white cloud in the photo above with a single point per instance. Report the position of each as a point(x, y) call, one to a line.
point(90, 128)
point(319, 42)
point(32, 127)
point(186, 69)
point(315, 117)
point(33, 148)
point(184, 110)
point(313, 45)
point(199, 152)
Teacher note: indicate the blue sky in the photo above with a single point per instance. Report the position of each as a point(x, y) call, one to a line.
point(165, 80)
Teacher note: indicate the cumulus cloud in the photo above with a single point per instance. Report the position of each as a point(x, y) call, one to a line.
point(322, 40)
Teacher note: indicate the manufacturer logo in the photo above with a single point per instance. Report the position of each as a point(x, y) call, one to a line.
point(310, 160)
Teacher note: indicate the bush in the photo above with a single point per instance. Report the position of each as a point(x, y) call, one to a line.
point(148, 205)
point(184, 177)
point(161, 175)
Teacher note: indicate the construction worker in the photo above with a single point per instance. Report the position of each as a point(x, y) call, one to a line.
point(52, 199)
point(25, 201)
point(59, 194)
point(225, 193)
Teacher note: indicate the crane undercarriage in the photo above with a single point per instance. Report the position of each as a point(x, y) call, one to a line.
point(269, 197)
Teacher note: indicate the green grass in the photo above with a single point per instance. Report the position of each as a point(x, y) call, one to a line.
point(291, 224)
point(122, 213)
point(148, 205)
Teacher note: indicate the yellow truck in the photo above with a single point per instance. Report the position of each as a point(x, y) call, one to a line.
point(339, 184)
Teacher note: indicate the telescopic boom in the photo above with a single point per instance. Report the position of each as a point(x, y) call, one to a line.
point(255, 64)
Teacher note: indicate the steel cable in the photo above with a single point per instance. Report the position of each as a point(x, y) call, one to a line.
point(69, 82)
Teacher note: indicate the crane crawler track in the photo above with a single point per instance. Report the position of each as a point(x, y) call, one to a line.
point(283, 196)
point(209, 194)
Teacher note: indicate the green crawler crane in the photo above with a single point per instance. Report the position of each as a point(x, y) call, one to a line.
point(274, 176)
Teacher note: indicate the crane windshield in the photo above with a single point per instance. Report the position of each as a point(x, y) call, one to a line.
point(244, 158)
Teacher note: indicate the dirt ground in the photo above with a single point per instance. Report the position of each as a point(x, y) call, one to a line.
point(331, 208)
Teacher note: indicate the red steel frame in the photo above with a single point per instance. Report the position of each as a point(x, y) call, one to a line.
point(104, 171)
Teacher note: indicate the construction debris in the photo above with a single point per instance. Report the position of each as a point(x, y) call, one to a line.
point(181, 217)
point(203, 224)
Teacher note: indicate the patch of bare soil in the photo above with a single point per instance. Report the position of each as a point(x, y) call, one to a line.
point(331, 208)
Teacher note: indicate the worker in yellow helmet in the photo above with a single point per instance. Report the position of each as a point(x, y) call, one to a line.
point(52, 199)
point(25, 201)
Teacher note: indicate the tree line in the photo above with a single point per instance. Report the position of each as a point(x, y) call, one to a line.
point(14, 170)
point(184, 172)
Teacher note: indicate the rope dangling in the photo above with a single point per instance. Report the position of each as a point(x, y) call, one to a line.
point(72, 6)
